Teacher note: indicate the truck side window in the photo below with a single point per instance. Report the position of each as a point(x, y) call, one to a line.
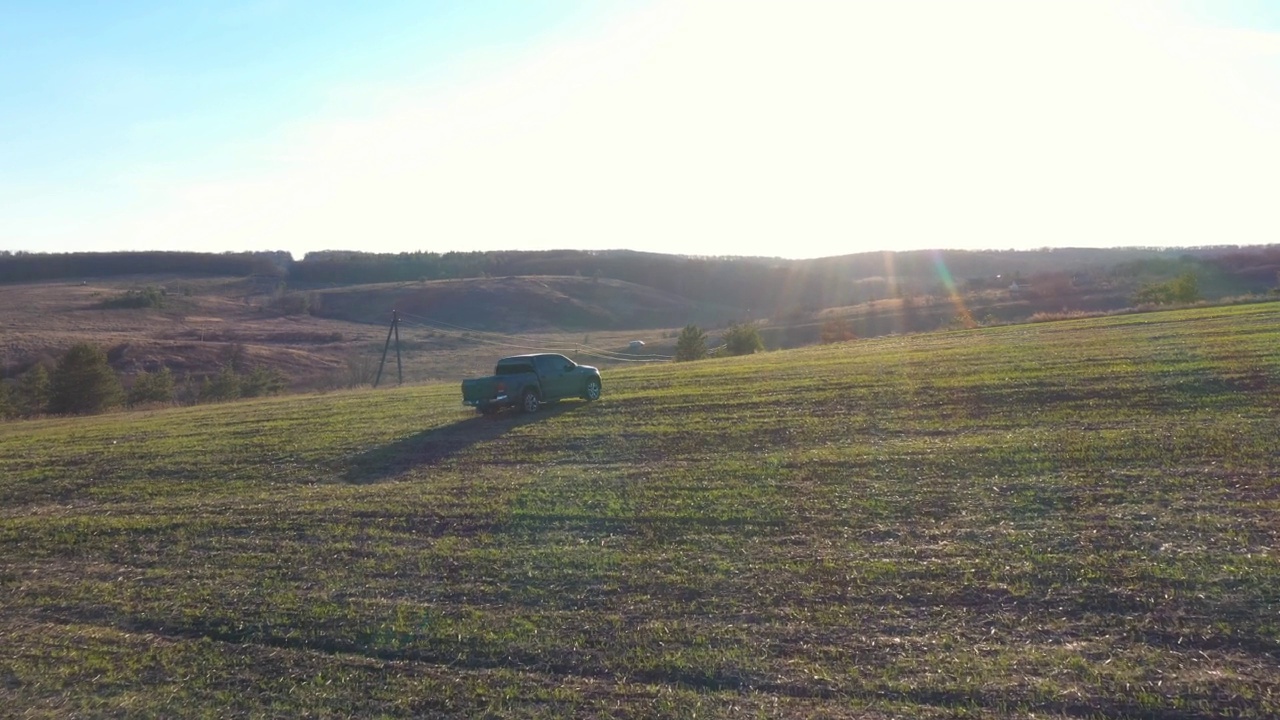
point(513, 369)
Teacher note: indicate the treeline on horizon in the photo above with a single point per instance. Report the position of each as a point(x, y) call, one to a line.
point(738, 281)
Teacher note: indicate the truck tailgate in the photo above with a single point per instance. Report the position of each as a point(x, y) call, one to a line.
point(480, 390)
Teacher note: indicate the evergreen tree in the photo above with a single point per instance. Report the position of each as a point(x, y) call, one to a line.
point(83, 382)
point(154, 387)
point(32, 393)
point(6, 405)
point(235, 356)
point(187, 390)
point(261, 381)
point(223, 386)
point(692, 344)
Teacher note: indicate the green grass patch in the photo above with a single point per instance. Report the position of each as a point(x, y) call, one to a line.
point(1065, 519)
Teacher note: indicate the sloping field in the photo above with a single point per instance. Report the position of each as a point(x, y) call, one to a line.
point(518, 304)
point(1067, 519)
point(204, 317)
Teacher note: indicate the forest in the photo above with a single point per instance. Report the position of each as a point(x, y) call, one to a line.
point(774, 284)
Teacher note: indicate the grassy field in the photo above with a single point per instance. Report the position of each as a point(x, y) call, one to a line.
point(1065, 519)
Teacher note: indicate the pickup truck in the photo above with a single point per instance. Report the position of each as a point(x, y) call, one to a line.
point(530, 381)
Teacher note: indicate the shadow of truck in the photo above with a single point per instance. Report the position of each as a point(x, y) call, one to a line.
point(432, 447)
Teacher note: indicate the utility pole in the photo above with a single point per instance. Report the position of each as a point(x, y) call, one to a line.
point(394, 329)
point(395, 325)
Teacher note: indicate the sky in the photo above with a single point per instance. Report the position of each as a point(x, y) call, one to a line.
point(791, 128)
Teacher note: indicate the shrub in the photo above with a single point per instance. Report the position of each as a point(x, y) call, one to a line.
point(1186, 288)
point(148, 297)
point(742, 339)
point(296, 303)
point(360, 371)
point(837, 330)
point(1183, 289)
point(1067, 315)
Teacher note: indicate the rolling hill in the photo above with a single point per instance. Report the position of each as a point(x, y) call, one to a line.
point(520, 304)
point(445, 334)
point(321, 322)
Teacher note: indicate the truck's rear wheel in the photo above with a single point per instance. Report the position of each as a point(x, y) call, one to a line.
point(592, 391)
point(529, 402)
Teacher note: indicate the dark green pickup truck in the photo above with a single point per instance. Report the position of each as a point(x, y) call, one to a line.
point(529, 381)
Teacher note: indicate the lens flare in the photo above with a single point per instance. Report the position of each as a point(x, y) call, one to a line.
point(962, 312)
point(890, 275)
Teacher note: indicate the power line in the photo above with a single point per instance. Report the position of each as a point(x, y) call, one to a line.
point(578, 350)
point(625, 360)
point(433, 321)
point(487, 341)
point(581, 348)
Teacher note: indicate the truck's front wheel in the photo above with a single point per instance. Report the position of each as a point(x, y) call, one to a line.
point(592, 391)
point(529, 402)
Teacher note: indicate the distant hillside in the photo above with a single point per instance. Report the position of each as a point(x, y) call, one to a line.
point(515, 304)
point(756, 286)
point(320, 319)
point(747, 286)
point(336, 337)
